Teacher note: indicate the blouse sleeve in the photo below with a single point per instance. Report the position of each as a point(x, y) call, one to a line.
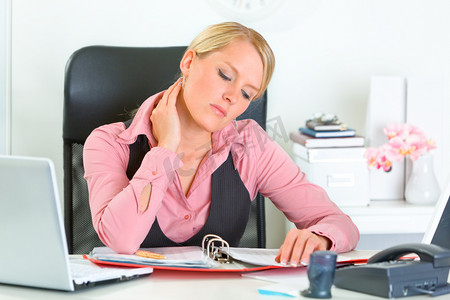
point(305, 204)
point(113, 198)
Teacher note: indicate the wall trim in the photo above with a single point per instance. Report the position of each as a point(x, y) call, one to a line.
point(5, 78)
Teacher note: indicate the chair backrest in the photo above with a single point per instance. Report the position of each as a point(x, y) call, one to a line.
point(102, 85)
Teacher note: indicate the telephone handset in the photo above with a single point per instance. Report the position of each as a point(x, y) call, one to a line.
point(386, 275)
point(440, 257)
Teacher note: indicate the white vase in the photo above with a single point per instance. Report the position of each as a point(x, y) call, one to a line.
point(422, 187)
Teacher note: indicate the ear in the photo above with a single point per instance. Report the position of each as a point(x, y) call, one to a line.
point(186, 61)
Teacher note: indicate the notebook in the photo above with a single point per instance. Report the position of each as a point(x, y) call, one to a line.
point(33, 249)
point(438, 231)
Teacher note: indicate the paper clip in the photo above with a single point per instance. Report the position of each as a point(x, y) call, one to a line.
point(216, 248)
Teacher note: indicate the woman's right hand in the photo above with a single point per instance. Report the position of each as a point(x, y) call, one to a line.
point(165, 120)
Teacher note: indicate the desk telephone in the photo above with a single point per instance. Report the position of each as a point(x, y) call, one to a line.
point(389, 276)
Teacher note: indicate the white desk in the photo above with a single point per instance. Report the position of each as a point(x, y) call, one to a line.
point(167, 285)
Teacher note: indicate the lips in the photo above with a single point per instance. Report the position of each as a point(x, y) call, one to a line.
point(219, 110)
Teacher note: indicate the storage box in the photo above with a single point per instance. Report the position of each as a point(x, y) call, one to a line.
point(342, 172)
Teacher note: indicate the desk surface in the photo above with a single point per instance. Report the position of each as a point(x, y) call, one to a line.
point(169, 285)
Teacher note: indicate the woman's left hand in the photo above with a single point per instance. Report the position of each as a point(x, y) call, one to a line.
point(298, 246)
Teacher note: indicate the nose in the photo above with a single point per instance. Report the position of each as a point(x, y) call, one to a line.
point(231, 95)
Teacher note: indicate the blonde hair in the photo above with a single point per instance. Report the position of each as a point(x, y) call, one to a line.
point(216, 37)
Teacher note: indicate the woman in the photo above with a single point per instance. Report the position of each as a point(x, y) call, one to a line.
point(195, 145)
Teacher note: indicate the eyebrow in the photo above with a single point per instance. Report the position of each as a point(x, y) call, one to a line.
point(236, 71)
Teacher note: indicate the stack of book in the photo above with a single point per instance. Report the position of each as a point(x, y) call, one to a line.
point(317, 134)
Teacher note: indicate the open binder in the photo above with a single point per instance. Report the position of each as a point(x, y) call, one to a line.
point(215, 255)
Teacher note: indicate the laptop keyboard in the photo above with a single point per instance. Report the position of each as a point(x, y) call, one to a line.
point(84, 271)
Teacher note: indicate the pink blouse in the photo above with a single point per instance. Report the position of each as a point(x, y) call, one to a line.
point(262, 164)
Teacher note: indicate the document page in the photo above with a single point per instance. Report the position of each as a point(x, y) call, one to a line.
point(189, 256)
point(285, 275)
point(356, 256)
point(255, 256)
point(266, 257)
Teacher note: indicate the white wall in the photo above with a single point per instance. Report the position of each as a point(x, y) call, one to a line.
point(4, 68)
point(326, 52)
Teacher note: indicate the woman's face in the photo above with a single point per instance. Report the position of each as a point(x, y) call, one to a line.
point(220, 86)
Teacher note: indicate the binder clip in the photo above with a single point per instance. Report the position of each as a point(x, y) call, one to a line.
point(216, 248)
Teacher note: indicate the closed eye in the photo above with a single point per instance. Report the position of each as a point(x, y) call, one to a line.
point(246, 96)
point(224, 77)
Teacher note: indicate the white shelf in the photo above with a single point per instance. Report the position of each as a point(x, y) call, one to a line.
point(390, 217)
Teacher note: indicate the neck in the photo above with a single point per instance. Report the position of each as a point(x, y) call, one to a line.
point(193, 137)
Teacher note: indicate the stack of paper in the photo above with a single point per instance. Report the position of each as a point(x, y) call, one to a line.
point(180, 257)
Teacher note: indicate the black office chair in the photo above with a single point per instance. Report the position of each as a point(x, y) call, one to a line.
point(102, 84)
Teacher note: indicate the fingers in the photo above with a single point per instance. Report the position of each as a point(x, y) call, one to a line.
point(286, 248)
point(165, 120)
point(171, 94)
point(298, 246)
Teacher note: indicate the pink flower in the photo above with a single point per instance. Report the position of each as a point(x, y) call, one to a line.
point(393, 130)
point(403, 140)
point(377, 158)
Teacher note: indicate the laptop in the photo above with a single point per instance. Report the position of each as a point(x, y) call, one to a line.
point(33, 249)
point(438, 231)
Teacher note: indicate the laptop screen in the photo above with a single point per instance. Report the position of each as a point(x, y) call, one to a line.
point(438, 231)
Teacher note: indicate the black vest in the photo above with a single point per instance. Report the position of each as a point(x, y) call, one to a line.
point(230, 203)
